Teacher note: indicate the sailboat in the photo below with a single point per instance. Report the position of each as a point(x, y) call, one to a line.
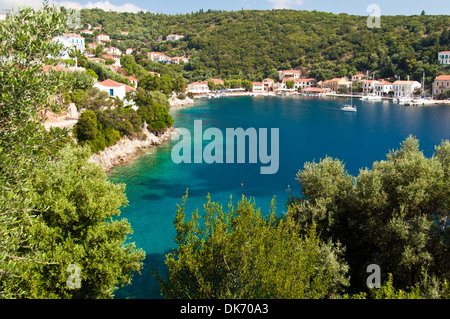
point(349, 107)
point(370, 96)
point(406, 100)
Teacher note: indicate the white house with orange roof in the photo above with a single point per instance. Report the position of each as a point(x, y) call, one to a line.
point(198, 87)
point(258, 87)
point(157, 57)
point(382, 88)
point(444, 57)
point(102, 38)
point(129, 51)
point(369, 85)
point(299, 84)
point(295, 74)
point(115, 89)
point(441, 84)
point(86, 31)
point(358, 77)
point(405, 88)
point(268, 84)
point(133, 80)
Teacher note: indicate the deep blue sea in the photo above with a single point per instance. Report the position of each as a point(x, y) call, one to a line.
point(309, 129)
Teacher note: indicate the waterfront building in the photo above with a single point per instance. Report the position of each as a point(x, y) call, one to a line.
point(405, 88)
point(382, 88)
point(198, 87)
point(441, 84)
point(258, 87)
point(299, 84)
point(268, 84)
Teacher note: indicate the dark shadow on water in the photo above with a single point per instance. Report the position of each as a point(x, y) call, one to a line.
point(145, 285)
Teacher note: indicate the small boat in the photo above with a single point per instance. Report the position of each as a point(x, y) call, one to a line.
point(371, 97)
point(348, 108)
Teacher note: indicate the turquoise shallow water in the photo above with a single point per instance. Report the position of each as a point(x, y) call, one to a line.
point(309, 129)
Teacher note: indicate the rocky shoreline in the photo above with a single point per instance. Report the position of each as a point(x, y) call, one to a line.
point(127, 148)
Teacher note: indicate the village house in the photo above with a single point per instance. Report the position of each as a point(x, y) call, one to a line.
point(113, 50)
point(369, 85)
point(157, 57)
point(102, 38)
point(76, 40)
point(358, 77)
point(198, 87)
point(336, 83)
point(268, 84)
point(441, 84)
point(174, 37)
point(444, 57)
point(129, 51)
point(86, 31)
point(298, 83)
point(178, 59)
point(133, 80)
point(115, 89)
point(295, 74)
point(124, 32)
point(405, 88)
point(258, 87)
point(382, 88)
point(154, 73)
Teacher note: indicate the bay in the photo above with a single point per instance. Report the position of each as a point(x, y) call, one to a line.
point(309, 129)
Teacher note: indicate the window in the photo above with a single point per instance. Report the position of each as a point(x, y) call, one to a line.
point(111, 92)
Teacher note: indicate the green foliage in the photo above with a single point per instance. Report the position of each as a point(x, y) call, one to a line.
point(241, 254)
point(74, 204)
point(103, 72)
point(91, 99)
point(394, 215)
point(249, 44)
point(56, 208)
point(290, 84)
point(78, 80)
point(101, 129)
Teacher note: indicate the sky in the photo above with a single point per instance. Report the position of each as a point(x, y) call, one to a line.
point(356, 7)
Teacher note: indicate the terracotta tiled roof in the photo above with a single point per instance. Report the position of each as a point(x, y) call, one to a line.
point(444, 77)
point(109, 82)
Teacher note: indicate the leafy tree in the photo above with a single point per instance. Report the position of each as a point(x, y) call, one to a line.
point(74, 205)
point(56, 207)
point(242, 254)
point(394, 215)
point(180, 85)
point(290, 84)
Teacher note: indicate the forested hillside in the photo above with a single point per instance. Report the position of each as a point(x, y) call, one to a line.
point(255, 44)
